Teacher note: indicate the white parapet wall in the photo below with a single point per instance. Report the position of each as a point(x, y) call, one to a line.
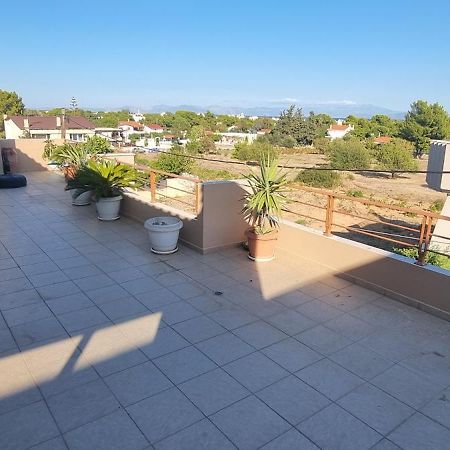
point(441, 234)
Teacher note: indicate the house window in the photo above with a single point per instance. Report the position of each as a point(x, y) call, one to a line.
point(40, 136)
point(76, 137)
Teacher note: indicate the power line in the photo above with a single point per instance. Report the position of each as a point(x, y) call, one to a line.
point(281, 166)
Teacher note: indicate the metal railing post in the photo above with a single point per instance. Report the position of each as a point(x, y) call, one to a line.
point(329, 215)
point(153, 186)
point(424, 240)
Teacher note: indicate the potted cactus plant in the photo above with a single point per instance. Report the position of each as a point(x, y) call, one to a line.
point(107, 179)
point(262, 209)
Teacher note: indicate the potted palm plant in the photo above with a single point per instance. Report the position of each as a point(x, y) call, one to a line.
point(107, 179)
point(262, 209)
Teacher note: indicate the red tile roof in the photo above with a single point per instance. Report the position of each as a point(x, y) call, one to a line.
point(382, 139)
point(49, 122)
point(337, 127)
point(154, 126)
point(131, 123)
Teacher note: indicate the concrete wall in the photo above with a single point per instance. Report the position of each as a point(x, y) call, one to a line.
point(126, 158)
point(427, 288)
point(28, 153)
point(439, 160)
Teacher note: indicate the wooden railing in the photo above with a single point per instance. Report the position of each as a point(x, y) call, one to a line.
point(416, 235)
point(194, 205)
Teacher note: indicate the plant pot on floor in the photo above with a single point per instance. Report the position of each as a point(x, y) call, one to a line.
point(108, 207)
point(261, 247)
point(81, 197)
point(163, 233)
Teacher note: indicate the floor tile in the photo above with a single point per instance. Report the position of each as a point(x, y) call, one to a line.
point(232, 318)
point(293, 399)
point(361, 361)
point(439, 408)
point(123, 307)
point(177, 312)
point(136, 383)
point(249, 423)
point(291, 322)
point(415, 392)
point(350, 327)
point(255, 371)
point(187, 289)
point(21, 298)
point(213, 391)
point(319, 311)
point(52, 444)
point(37, 331)
point(323, 340)
point(58, 290)
point(224, 348)
point(184, 364)
point(260, 334)
point(166, 341)
point(157, 298)
point(330, 379)
point(94, 282)
point(202, 435)
point(334, 428)
point(81, 405)
point(27, 313)
point(83, 318)
point(107, 294)
point(419, 432)
point(141, 285)
point(26, 426)
point(116, 431)
point(198, 329)
point(164, 414)
point(291, 354)
point(290, 440)
point(375, 408)
point(69, 303)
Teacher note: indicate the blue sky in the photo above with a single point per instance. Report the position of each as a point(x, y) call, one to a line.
point(142, 53)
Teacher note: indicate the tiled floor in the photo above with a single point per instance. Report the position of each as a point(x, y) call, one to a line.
point(104, 345)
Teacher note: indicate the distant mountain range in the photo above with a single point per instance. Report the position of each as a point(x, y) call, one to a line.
point(336, 110)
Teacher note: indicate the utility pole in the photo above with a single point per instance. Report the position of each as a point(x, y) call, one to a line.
point(63, 123)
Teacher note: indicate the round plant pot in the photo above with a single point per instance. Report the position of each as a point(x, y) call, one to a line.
point(81, 197)
point(261, 247)
point(108, 208)
point(163, 233)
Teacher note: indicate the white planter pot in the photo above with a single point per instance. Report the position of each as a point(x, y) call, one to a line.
point(80, 197)
point(108, 208)
point(163, 233)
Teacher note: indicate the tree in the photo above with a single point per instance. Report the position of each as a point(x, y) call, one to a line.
point(318, 125)
point(10, 104)
point(349, 154)
point(291, 123)
point(424, 122)
point(396, 155)
point(382, 125)
point(97, 144)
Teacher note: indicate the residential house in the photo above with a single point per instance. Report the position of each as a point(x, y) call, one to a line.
point(75, 128)
point(382, 140)
point(129, 127)
point(338, 130)
point(138, 117)
point(153, 128)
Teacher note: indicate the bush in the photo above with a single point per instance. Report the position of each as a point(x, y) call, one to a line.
point(432, 258)
point(350, 154)
point(322, 145)
point(97, 144)
point(355, 193)
point(173, 161)
point(437, 206)
point(254, 151)
point(319, 178)
point(396, 155)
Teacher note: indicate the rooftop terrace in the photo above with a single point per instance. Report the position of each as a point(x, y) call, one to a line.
point(105, 345)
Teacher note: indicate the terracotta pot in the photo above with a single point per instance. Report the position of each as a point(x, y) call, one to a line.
point(261, 247)
point(69, 172)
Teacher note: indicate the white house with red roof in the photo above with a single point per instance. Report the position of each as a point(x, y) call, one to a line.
point(153, 128)
point(338, 130)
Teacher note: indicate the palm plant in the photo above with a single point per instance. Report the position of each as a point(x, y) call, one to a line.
point(263, 205)
point(106, 178)
point(67, 154)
